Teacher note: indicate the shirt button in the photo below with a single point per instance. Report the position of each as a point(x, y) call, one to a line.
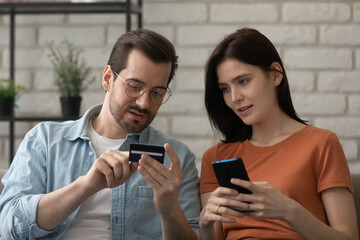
point(91, 153)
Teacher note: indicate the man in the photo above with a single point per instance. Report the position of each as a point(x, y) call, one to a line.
point(72, 180)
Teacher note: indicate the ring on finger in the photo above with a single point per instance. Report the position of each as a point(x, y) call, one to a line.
point(217, 208)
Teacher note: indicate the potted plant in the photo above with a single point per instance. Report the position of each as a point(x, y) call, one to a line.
point(9, 92)
point(71, 76)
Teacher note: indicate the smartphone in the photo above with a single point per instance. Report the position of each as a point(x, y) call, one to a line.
point(231, 168)
point(154, 151)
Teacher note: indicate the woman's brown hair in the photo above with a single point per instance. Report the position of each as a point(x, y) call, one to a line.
point(251, 47)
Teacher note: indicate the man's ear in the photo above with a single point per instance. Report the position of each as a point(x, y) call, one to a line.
point(276, 73)
point(107, 77)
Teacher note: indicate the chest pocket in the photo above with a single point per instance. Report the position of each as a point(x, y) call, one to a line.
point(146, 221)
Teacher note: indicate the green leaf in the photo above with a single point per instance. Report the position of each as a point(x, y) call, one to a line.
point(8, 89)
point(71, 74)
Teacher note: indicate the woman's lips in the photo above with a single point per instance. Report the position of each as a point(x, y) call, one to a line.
point(244, 111)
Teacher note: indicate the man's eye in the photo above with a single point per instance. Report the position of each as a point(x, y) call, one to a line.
point(158, 91)
point(135, 85)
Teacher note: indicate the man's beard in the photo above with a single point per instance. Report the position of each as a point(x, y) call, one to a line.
point(134, 125)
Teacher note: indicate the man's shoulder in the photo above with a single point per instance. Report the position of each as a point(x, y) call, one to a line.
point(157, 137)
point(54, 126)
point(50, 128)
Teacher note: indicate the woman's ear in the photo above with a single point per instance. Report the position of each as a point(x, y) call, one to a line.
point(107, 77)
point(276, 73)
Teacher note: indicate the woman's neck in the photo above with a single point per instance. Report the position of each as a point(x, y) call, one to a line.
point(274, 130)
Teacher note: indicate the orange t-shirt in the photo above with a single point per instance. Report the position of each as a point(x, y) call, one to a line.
point(301, 166)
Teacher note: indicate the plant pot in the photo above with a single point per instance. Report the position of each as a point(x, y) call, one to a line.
point(6, 107)
point(70, 106)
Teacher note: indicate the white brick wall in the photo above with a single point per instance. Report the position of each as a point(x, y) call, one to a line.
point(318, 58)
point(318, 40)
point(223, 12)
point(174, 13)
point(317, 12)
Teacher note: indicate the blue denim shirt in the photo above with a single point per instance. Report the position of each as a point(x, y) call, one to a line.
point(52, 155)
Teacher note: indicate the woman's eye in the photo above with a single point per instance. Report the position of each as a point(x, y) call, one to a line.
point(224, 89)
point(243, 81)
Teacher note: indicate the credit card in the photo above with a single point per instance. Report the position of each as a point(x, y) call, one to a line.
point(156, 152)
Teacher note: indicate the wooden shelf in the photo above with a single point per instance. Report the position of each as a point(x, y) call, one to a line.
point(126, 7)
point(69, 7)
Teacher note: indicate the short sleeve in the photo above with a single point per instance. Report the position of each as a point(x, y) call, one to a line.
point(208, 181)
point(332, 169)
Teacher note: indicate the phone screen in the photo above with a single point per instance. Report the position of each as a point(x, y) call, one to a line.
point(231, 168)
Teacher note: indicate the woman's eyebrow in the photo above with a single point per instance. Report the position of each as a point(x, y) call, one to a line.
point(240, 76)
point(236, 78)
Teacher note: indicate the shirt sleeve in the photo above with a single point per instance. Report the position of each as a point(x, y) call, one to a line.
point(208, 180)
point(189, 198)
point(332, 168)
point(24, 185)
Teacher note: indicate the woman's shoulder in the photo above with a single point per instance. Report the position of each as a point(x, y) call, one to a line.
point(316, 132)
point(319, 136)
point(222, 148)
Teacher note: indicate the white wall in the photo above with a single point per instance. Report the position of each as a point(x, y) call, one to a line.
point(318, 40)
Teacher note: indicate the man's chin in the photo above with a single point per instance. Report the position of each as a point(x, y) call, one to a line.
point(133, 127)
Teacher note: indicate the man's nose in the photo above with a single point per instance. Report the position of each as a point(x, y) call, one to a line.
point(143, 101)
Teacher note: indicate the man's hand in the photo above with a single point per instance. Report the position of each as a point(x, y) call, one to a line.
point(164, 181)
point(110, 170)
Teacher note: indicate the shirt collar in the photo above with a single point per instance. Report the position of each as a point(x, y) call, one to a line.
point(79, 129)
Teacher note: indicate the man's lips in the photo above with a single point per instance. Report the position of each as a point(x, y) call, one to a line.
point(137, 113)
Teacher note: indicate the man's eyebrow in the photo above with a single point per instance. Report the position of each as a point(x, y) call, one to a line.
point(135, 79)
point(139, 81)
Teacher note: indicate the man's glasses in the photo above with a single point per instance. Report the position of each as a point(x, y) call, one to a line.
point(136, 88)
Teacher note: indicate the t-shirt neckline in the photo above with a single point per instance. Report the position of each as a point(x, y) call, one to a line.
point(280, 144)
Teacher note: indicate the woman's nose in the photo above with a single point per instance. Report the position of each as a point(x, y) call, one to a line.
point(236, 95)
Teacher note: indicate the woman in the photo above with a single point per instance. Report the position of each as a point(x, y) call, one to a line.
point(299, 178)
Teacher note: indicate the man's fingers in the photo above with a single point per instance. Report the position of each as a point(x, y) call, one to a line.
point(154, 169)
point(148, 178)
point(175, 161)
point(114, 165)
point(103, 168)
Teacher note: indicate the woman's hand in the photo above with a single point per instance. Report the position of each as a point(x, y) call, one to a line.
point(265, 201)
point(222, 201)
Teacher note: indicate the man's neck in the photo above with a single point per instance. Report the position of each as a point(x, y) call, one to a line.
point(106, 126)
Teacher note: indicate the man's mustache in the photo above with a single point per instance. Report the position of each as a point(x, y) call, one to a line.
point(138, 109)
